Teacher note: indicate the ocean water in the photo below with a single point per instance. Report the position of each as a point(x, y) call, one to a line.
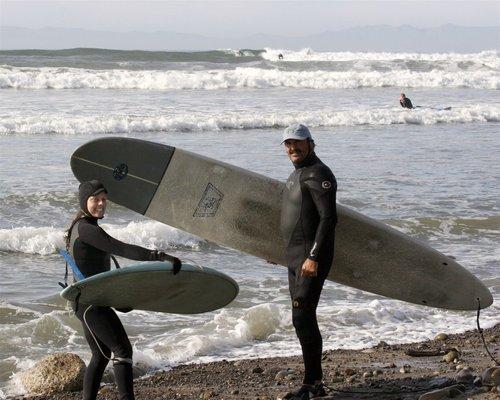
point(431, 173)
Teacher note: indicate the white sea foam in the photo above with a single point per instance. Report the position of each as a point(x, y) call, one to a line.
point(241, 77)
point(15, 386)
point(229, 329)
point(364, 325)
point(47, 240)
point(200, 122)
point(30, 240)
point(266, 330)
point(488, 59)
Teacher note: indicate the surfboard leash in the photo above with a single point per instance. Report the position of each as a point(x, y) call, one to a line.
point(92, 333)
point(117, 266)
point(114, 359)
point(481, 332)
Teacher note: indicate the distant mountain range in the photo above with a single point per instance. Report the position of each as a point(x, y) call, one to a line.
point(446, 38)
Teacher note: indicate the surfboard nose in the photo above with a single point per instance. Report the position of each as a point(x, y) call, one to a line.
point(480, 295)
point(466, 292)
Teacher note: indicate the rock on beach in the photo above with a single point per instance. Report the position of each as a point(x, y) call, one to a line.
point(60, 372)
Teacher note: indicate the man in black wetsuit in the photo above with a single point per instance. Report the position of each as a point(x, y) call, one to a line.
point(405, 101)
point(91, 248)
point(308, 220)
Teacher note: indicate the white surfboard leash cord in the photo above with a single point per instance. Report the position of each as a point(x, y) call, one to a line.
point(114, 359)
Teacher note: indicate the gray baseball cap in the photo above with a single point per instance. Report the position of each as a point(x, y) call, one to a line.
point(297, 132)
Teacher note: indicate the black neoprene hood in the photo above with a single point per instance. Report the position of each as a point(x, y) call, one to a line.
point(87, 189)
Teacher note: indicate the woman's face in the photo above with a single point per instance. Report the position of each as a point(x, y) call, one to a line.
point(96, 205)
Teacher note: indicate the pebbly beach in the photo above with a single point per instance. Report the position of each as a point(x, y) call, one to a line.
point(449, 366)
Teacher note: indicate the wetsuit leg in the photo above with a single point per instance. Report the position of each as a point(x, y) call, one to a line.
point(305, 293)
point(96, 367)
point(111, 337)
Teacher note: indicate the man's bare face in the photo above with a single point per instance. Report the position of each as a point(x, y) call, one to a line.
point(297, 150)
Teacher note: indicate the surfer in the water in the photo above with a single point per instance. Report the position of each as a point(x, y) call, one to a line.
point(405, 101)
point(308, 220)
point(91, 248)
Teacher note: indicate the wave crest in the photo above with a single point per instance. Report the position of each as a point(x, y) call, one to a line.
point(201, 122)
point(243, 77)
point(488, 58)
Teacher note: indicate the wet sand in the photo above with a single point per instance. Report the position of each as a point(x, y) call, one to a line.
point(345, 371)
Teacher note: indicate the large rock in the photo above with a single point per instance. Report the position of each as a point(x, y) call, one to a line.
point(60, 372)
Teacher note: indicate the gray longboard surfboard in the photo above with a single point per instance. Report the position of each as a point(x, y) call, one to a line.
point(153, 287)
point(241, 209)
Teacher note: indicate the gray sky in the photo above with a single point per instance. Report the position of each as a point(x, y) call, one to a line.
point(240, 18)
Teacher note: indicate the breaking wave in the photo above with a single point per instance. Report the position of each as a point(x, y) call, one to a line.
point(488, 59)
point(201, 122)
point(237, 78)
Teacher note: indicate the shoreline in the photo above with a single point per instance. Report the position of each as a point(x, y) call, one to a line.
point(380, 372)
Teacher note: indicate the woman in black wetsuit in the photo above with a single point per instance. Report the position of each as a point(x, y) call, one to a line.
point(91, 248)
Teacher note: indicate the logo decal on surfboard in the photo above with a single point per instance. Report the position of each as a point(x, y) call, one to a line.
point(209, 202)
point(120, 172)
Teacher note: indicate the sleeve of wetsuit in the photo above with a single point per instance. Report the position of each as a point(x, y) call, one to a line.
point(97, 237)
point(323, 189)
point(408, 103)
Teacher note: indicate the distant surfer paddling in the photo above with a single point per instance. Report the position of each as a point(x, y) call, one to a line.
point(405, 101)
point(308, 220)
point(91, 248)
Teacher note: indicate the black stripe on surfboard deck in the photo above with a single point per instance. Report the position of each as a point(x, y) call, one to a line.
point(130, 169)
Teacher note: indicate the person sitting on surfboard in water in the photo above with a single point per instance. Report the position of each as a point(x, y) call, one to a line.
point(308, 219)
point(91, 248)
point(405, 101)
